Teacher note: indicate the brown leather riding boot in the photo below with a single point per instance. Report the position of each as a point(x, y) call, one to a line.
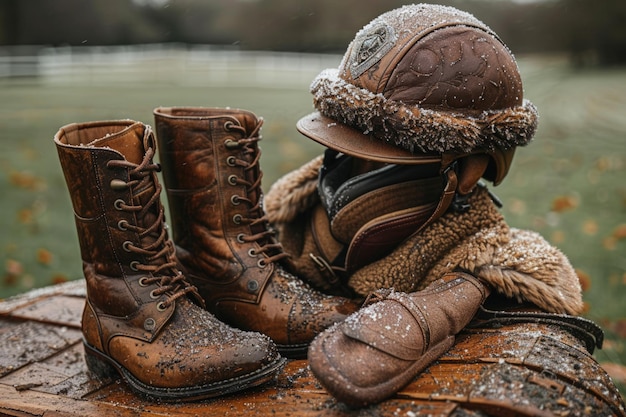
point(141, 318)
point(381, 348)
point(210, 160)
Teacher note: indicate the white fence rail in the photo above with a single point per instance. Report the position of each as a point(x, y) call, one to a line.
point(173, 63)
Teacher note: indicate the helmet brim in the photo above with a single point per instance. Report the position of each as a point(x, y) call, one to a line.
point(350, 141)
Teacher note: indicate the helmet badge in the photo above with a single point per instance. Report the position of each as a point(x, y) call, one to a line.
point(370, 46)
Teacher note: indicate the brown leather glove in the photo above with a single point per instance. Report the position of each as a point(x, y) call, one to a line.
point(382, 347)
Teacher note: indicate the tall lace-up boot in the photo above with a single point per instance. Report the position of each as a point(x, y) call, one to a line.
point(210, 160)
point(141, 316)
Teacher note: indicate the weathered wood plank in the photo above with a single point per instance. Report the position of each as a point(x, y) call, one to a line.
point(29, 341)
point(61, 309)
point(43, 373)
point(64, 373)
point(34, 403)
point(71, 288)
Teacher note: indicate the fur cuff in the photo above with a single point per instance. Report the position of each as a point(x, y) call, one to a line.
point(293, 193)
point(418, 129)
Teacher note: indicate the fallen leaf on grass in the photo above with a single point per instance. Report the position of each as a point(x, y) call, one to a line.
point(609, 243)
point(12, 270)
point(13, 267)
point(25, 216)
point(558, 237)
point(517, 206)
point(620, 232)
point(59, 279)
point(603, 163)
point(44, 256)
point(26, 180)
point(563, 203)
point(590, 227)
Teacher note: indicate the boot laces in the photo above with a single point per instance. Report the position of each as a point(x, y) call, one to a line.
point(159, 259)
point(257, 220)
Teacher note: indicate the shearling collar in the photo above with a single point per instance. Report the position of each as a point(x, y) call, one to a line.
point(517, 263)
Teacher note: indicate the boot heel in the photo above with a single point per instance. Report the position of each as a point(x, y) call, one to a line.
point(97, 365)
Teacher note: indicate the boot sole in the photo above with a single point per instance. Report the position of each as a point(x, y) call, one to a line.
point(105, 366)
point(347, 392)
point(293, 351)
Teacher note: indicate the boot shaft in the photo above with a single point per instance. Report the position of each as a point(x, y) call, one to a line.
point(212, 178)
point(200, 147)
point(98, 191)
point(114, 191)
point(195, 143)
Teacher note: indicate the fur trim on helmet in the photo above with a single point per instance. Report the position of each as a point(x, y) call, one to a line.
point(419, 129)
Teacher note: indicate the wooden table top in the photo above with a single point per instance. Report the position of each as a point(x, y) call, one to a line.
point(43, 373)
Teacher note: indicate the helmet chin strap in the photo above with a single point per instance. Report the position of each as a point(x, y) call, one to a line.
point(448, 196)
point(471, 169)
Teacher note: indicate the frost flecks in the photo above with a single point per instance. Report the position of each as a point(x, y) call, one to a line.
point(423, 16)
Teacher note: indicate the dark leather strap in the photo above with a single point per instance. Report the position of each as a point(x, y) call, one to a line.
point(585, 330)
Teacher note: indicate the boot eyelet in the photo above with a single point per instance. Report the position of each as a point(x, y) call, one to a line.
point(232, 180)
point(261, 263)
point(237, 218)
point(119, 203)
point(134, 265)
point(161, 306)
point(240, 237)
point(252, 253)
point(126, 245)
point(118, 185)
point(122, 225)
point(153, 295)
point(230, 161)
point(234, 200)
point(253, 285)
point(228, 125)
point(231, 144)
point(143, 282)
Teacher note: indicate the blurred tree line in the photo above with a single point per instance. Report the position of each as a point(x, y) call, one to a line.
point(590, 31)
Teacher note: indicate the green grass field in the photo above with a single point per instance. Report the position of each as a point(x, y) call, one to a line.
point(569, 184)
